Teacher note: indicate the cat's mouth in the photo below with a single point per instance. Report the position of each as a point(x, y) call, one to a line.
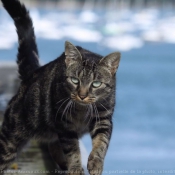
point(85, 101)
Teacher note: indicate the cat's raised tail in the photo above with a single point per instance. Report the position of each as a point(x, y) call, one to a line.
point(27, 57)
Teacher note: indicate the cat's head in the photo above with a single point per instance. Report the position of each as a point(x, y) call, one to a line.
point(90, 77)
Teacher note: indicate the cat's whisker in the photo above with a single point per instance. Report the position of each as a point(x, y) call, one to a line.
point(104, 107)
point(71, 109)
point(68, 104)
point(60, 107)
point(68, 108)
point(60, 100)
point(87, 112)
point(105, 100)
point(92, 111)
point(106, 110)
point(74, 107)
point(97, 113)
point(89, 109)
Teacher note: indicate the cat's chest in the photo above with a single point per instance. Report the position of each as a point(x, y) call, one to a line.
point(80, 121)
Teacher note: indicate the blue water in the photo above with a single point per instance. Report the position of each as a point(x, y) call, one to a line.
point(143, 140)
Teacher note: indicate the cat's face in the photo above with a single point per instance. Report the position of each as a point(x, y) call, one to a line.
point(90, 77)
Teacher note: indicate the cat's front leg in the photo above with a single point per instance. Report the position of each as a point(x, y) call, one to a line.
point(100, 134)
point(70, 145)
point(57, 154)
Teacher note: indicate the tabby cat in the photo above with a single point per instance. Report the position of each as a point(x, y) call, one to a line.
point(60, 101)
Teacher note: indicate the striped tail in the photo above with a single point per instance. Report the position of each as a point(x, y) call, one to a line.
point(27, 57)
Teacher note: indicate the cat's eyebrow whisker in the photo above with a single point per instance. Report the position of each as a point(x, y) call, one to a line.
point(60, 107)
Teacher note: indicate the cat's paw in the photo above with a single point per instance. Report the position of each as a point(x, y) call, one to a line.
point(95, 165)
point(76, 171)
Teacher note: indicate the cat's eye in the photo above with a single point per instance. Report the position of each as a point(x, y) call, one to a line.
point(74, 80)
point(96, 84)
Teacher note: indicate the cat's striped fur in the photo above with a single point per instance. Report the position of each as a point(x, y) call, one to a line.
point(59, 102)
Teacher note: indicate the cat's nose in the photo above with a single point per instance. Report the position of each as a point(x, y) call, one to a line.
point(82, 97)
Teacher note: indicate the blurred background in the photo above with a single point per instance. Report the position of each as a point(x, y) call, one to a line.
point(143, 140)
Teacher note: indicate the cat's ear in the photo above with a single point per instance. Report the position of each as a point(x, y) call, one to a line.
point(72, 54)
point(111, 62)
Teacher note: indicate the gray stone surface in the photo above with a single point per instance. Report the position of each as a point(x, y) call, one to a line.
point(34, 159)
